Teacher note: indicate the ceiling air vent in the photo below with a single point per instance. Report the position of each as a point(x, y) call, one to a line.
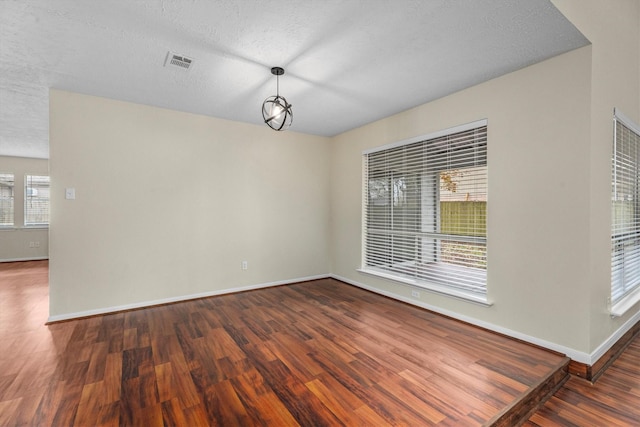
point(179, 61)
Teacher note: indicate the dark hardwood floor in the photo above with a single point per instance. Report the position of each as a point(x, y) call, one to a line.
point(613, 400)
point(312, 354)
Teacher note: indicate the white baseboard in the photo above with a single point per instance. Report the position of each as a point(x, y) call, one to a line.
point(36, 258)
point(571, 353)
point(144, 304)
point(610, 342)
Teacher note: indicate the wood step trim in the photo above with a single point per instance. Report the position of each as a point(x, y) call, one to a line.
point(533, 398)
point(593, 372)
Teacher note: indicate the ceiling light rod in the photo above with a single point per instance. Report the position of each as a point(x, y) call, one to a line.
point(277, 71)
point(276, 111)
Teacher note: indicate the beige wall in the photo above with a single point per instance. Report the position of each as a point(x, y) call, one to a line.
point(613, 27)
point(550, 135)
point(16, 242)
point(169, 204)
point(538, 155)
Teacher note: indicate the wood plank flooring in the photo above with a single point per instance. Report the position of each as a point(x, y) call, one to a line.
point(313, 354)
point(613, 400)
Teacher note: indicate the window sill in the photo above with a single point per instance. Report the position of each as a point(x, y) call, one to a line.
point(25, 228)
point(432, 287)
point(622, 306)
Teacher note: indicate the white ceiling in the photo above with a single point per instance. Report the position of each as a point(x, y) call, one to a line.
point(347, 62)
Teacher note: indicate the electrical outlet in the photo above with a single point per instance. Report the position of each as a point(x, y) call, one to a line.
point(415, 294)
point(37, 244)
point(245, 265)
point(32, 244)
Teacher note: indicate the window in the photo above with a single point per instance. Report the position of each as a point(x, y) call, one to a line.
point(625, 213)
point(7, 182)
point(36, 200)
point(425, 211)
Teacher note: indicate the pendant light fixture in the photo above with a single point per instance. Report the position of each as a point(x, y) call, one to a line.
point(276, 111)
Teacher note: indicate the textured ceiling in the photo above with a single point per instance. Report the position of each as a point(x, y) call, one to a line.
point(347, 62)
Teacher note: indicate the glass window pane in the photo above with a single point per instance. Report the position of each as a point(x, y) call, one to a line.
point(36, 200)
point(426, 210)
point(7, 182)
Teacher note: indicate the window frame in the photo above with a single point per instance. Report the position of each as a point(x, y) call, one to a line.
point(622, 299)
point(424, 201)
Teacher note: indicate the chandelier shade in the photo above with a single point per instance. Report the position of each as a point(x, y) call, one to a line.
point(276, 111)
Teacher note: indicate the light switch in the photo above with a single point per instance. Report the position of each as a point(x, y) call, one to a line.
point(70, 193)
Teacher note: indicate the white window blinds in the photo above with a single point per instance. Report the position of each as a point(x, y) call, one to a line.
point(425, 205)
point(36, 200)
point(625, 209)
point(7, 182)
